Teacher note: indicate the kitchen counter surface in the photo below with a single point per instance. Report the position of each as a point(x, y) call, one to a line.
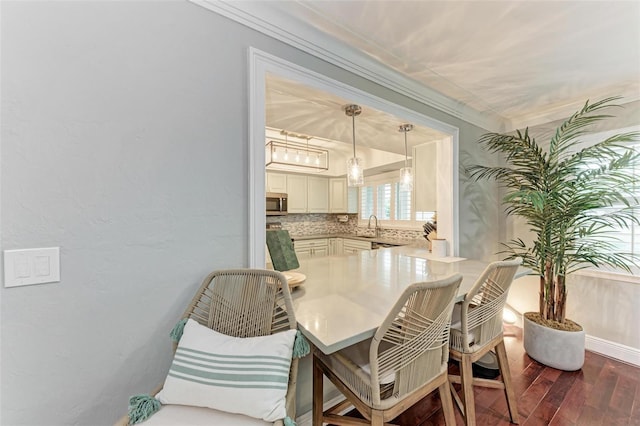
point(345, 298)
point(379, 240)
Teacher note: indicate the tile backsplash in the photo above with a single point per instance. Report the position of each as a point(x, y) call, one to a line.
point(319, 224)
point(315, 223)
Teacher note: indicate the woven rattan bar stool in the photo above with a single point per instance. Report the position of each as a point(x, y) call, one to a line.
point(476, 329)
point(405, 360)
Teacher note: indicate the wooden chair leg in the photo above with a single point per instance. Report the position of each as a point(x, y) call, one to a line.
point(505, 372)
point(466, 378)
point(447, 404)
point(377, 418)
point(318, 403)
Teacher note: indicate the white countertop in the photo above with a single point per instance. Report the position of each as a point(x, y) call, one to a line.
point(345, 298)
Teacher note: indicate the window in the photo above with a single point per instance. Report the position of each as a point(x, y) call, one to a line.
point(383, 204)
point(384, 197)
point(626, 240)
point(403, 203)
point(366, 202)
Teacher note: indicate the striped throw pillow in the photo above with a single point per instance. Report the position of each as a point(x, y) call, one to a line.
point(238, 375)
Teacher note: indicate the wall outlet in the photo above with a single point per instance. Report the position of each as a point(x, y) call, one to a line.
point(31, 266)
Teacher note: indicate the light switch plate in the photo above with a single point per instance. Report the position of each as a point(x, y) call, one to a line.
point(31, 266)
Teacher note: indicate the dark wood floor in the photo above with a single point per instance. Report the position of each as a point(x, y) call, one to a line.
point(604, 392)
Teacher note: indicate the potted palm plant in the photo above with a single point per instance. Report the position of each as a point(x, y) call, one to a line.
point(571, 195)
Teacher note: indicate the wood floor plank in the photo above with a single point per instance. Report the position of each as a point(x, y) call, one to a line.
point(575, 399)
point(624, 395)
point(603, 388)
point(530, 399)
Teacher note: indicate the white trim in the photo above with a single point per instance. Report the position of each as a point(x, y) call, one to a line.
point(613, 350)
point(261, 64)
point(266, 19)
point(609, 275)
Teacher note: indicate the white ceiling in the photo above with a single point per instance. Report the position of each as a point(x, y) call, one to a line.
point(520, 60)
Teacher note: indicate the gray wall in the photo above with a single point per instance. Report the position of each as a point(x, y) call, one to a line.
point(124, 142)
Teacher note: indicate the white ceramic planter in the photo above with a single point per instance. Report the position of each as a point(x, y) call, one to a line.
point(559, 349)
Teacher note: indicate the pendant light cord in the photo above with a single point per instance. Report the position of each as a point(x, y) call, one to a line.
point(353, 127)
point(405, 148)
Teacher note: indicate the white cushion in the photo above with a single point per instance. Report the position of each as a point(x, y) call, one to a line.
point(172, 415)
point(359, 355)
point(238, 375)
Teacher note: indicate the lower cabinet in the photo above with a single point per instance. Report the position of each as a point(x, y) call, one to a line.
point(311, 248)
point(328, 247)
point(336, 246)
point(355, 246)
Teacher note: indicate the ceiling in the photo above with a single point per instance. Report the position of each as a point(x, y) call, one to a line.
point(301, 109)
point(519, 60)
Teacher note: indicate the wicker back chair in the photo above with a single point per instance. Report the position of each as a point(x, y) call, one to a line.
point(239, 303)
point(477, 329)
point(406, 359)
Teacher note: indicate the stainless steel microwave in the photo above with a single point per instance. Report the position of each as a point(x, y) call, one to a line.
point(276, 204)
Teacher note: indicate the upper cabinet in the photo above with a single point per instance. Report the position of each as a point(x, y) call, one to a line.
point(297, 193)
point(314, 194)
point(342, 199)
point(276, 182)
point(317, 194)
point(338, 195)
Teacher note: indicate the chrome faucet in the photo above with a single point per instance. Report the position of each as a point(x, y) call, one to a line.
point(377, 230)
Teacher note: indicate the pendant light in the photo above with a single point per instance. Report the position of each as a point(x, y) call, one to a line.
point(355, 175)
point(406, 174)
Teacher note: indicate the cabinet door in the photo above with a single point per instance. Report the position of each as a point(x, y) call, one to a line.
point(303, 253)
point(320, 251)
point(318, 195)
point(297, 192)
point(338, 246)
point(337, 195)
point(276, 182)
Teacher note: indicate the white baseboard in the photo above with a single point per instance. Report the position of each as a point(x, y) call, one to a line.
point(613, 350)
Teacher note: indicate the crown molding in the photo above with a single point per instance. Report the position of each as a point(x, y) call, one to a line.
point(266, 19)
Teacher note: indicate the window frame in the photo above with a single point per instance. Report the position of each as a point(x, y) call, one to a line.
point(392, 178)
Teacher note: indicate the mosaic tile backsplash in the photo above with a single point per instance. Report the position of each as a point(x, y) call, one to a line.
point(319, 224)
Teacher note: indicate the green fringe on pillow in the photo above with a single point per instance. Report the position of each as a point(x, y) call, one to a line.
point(300, 346)
point(289, 422)
point(141, 407)
point(178, 329)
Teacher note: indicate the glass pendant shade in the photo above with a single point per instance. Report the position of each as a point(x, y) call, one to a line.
point(406, 178)
point(406, 173)
point(355, 166)
point(355, 175)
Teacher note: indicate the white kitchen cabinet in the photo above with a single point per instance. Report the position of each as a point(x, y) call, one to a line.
point(317, 194)
point(337, 195)
point(355, 246)
point(311, 248)
point(276, 182)
point(336, 246)
point(342, 199)
point(307, 194)
point(297, 193)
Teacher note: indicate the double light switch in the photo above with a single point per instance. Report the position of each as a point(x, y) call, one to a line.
point(31, 266)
